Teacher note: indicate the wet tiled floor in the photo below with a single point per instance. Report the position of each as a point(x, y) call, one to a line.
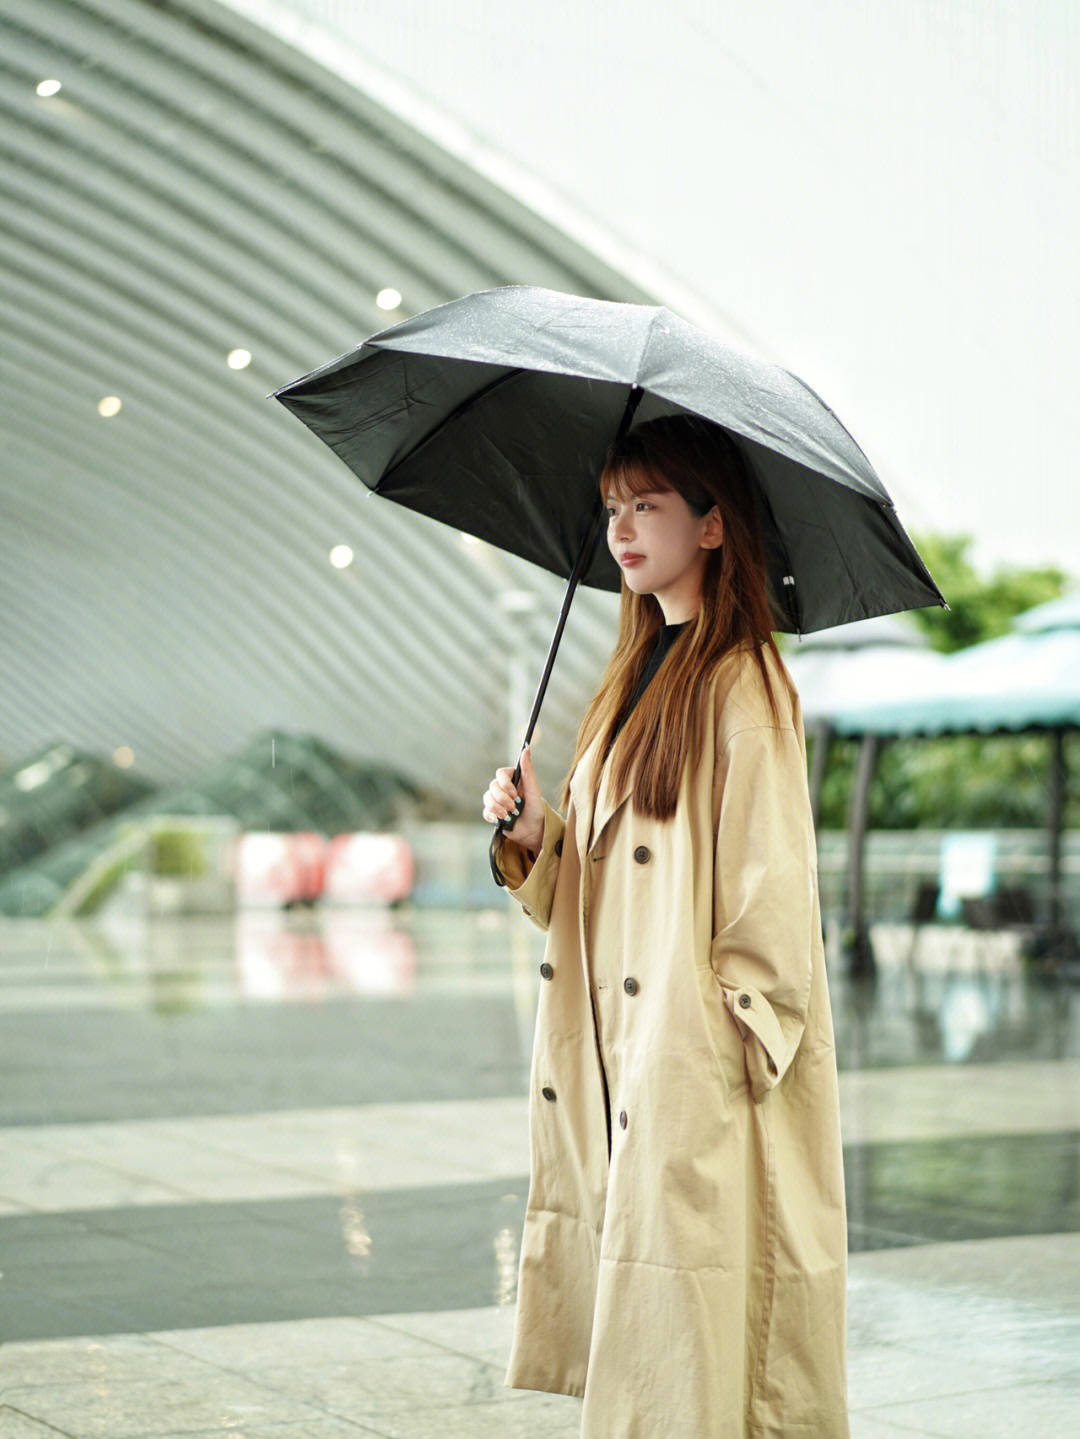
point(266, 1178)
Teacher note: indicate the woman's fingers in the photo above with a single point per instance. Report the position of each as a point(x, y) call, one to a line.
point(500, 798)
point(503, 788)
point(504, 778)
point(503, 798)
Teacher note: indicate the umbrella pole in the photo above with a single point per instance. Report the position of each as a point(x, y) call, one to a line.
point(585, 555)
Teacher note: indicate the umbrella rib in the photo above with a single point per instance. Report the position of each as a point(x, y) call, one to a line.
point(883, 497)
point(459, 409)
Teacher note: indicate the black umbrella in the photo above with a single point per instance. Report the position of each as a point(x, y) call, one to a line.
point(493, 413)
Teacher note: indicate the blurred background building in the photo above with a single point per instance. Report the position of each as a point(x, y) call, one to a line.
point(262, 1004)
point(204, 200)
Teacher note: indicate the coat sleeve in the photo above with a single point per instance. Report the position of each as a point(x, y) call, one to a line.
point(764, 896)
point(534, 893)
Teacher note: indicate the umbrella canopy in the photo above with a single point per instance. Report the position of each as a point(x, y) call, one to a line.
point(494, 413)
point(1028, 679)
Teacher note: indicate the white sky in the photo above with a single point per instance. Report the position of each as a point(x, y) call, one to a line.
point(885, 193)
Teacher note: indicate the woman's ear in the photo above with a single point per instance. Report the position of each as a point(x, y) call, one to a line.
point(713, 536)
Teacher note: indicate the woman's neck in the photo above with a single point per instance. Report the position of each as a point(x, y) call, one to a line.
point(678, 611)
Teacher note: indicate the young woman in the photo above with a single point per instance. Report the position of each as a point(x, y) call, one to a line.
point(684, 1260)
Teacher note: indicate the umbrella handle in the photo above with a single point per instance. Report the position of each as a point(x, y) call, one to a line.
point(585, 555)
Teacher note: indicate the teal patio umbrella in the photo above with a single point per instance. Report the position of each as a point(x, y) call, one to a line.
point(1027, 680)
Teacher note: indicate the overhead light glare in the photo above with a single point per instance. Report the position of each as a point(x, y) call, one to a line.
point(517, 601)
point(33, 775)
point(123, 757)
point(109, 406)
point(341, 557)
point(388, 299)
point(468, 539)
point(48, 87)
point(238, 359)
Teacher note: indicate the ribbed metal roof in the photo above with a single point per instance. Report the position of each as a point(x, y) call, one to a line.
point(198, 186)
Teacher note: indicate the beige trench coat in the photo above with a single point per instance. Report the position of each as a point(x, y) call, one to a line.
point(694, 1286)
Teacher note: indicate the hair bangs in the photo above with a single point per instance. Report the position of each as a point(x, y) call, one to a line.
point(626, 475)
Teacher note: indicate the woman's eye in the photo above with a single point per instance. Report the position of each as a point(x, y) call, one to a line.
point(645, 503)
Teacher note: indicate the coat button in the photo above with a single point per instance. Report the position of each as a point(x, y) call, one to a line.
point(630, 984)
point(623, 1121)
point(642, 855)
point(558, 846)
point(546, 970)
point(548, 1093)
point(745, 1001)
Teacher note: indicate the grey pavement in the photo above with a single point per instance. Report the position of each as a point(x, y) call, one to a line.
point(269, 1189)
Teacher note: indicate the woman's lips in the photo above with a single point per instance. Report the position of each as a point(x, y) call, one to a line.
point(631, 559)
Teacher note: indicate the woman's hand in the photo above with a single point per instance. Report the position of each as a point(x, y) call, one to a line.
point(501, 799)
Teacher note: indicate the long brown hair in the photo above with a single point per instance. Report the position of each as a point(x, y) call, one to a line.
point(698, 460)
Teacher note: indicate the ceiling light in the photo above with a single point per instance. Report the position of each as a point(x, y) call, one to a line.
point(517, 601)
point(33, 775)
point(123, 757)
point(388, 299)
point(341, 557)
point(109, 406)
point(48, 87)
point(238, 359)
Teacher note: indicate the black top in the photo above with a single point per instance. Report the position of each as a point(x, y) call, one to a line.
point(664, 640)
point(666, 637)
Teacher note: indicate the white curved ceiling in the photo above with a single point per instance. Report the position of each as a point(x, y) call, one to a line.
point(197, 186)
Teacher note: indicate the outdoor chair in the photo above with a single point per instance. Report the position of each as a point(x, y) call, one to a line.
point(1003, 909)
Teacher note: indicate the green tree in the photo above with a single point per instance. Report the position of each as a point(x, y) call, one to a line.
point(965, 781)
point(979, 608)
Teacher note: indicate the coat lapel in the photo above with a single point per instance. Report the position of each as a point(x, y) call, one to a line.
point(592, 820)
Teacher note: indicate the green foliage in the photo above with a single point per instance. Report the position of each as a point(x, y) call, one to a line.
point(177, 853)
point(979, 609)
point(968, 781)
point(960, 782)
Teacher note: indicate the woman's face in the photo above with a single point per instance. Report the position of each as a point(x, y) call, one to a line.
point(662, 547)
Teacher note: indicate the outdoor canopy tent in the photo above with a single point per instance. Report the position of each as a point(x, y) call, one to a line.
point(855, 664)
point(1026, 680)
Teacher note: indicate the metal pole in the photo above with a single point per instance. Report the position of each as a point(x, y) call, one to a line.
point(1055, 820)
point(860, 954)
point(822, 740)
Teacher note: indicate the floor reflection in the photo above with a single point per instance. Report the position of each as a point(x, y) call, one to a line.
point(907, 1015)
point(349, 951)
point(320, 1113)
